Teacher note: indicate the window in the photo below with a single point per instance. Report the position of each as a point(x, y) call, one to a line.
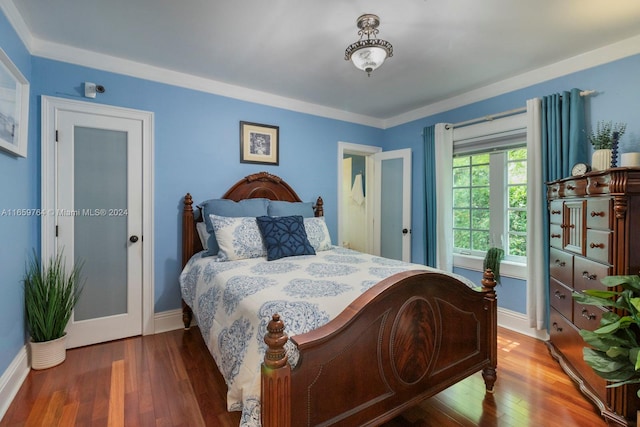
point(489, 202)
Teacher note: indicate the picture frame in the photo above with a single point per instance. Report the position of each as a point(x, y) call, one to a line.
point(259, 143)
point(14, 107)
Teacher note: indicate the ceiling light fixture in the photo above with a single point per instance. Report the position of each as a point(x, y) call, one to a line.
point(370, 53)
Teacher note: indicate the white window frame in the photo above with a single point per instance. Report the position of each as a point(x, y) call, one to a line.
point(481, 137)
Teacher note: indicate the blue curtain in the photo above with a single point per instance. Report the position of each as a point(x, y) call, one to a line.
point(564, 141)
point(430, 208)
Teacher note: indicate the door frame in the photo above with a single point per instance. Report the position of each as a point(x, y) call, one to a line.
point(50, 107)
point(366, 151)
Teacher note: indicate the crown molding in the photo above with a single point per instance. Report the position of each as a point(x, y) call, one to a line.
point(86, 58)
point(603, 55)
point(11, 12)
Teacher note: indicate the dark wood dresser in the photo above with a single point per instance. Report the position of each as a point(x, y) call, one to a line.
point(594, 232)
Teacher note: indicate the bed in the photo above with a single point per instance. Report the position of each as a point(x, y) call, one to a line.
point(392, 334)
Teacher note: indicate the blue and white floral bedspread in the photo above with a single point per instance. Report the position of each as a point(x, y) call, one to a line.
point(234, 300)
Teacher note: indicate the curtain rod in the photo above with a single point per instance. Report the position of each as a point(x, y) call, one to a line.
point(503, 114)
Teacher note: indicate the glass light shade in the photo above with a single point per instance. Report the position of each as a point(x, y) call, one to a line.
point(368, 58)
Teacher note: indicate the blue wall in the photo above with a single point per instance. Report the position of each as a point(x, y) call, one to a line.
point(618, 100)
point(19, 188)
point(197, 151)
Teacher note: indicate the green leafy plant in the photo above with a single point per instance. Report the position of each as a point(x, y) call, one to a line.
point(602, 137)
point(50, 293)
point(492, 260)
point(615, 352)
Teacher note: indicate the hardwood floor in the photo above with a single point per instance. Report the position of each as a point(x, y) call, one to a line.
point(169, 379)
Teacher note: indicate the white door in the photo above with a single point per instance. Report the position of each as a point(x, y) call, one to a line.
point(392, 223)
point(99, 221)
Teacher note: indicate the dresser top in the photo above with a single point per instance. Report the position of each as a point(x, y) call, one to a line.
point(614, 181)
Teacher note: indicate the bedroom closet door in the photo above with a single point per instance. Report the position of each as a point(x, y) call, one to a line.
point(99, 221)
point(392, 230)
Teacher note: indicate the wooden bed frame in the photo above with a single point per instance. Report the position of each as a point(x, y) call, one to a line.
point(407, 338)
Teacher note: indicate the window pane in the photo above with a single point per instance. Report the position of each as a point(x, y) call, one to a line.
point(480, 175)
point(480, 197)
point(517, 172)
point(518, 196)
point(518, 221)
point(518, 154)
point(461, 198)
point(517, 245)
point(461, 218)
point(461, 177)
point(481, 219)
point(461, 239)
point(461, 161)
point(480, 159)
point(480, 240)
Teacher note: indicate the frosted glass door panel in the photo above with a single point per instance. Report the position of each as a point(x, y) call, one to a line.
point(391, 209)
point(100, 220)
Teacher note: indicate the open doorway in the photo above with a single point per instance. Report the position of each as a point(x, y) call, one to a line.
point(355, 208)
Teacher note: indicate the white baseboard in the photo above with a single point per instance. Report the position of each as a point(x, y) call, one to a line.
point(12, 378)
point(169, 321)
point(518, 322)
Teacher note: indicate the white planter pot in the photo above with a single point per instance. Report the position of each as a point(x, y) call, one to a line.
point(601, 159)
point(49, 353)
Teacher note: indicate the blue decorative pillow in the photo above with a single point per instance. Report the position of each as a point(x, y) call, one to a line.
point(229, 208)
point(281, 208)
point(284, 236)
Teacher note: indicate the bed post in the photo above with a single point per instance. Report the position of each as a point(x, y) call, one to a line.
point(318, 209)
point(276, 377)
point(188, 235)
point(488, 286)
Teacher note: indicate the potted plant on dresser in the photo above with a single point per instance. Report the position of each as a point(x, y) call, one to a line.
point(603, 139)
point(50, 293)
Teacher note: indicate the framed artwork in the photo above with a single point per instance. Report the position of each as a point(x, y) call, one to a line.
point(259, 143)
point(14, 107)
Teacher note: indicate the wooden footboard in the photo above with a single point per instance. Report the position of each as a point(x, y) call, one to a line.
point(404, 340)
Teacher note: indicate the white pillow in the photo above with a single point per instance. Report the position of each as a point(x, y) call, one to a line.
point(317, 233)
point(201, 228)
point(238, 238)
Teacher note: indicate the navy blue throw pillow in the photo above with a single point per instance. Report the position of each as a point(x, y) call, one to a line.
point(284, 236)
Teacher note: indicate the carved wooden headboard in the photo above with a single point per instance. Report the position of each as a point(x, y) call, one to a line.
point(260, 184)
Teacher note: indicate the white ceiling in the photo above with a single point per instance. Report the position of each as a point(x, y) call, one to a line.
point(295, 49)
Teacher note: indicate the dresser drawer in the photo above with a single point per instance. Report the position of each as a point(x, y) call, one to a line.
point(555, 235)
point(587, 274)
point(561, 266)
point(587, 316)
point(598, 213)
point(555, 212)
point(599, 184)
point(566, 338)
point(560, 298)
point(599, 245)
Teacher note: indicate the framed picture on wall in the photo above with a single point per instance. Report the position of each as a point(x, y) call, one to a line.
point(14, 107)
point(259, 143)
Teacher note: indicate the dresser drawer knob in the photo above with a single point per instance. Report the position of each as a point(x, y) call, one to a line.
point(587, 315)
point(556, 327)
point(556, 236)
point(570, 187)
point(596, 245)
point(586, 275)
point(594, 213)
point(559, 295)
point(560, 263)
point(556, 212)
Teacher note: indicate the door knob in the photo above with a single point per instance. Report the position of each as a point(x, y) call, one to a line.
point(405, 231)
point(133, 239)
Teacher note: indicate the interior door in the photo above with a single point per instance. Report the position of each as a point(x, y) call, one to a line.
point(392, 226)
point(99, 221)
